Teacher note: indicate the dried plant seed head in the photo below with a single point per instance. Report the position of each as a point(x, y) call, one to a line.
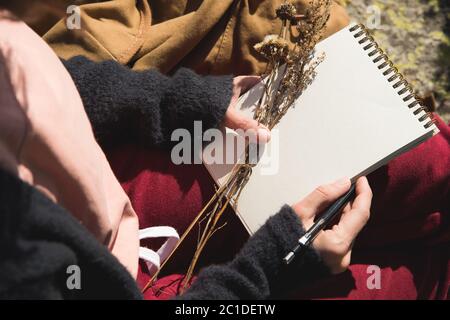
point(287, 11)
point(276, 100)
point(273, 48)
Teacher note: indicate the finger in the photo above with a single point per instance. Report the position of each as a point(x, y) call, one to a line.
point(353, 221)
point(244, 83)
point(321, 197)
point(347, 208)
point(363, 198)
point(236, 120)
point(345, 263)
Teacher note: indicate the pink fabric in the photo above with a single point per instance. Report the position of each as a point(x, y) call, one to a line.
point(407, 236)
point(47, 140)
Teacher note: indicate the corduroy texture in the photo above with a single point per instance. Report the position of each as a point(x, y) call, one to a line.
point(125, 105)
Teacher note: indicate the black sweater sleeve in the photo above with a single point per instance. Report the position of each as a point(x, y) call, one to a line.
point(39, 240)
point(257, 271)
point(39, 244)
point(125, 105)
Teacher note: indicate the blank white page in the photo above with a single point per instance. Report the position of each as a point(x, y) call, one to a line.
point(347, 123)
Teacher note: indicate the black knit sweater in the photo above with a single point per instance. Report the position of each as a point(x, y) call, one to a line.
point(39, 239)
point(147, 106)
point(257, 271)
point(154, 105)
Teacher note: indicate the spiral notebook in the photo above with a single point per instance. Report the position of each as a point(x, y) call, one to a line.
point(358, 114)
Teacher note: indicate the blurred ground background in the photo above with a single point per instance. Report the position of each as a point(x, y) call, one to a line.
point(415, 34)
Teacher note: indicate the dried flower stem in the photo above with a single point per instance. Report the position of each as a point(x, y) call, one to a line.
point(277, 98)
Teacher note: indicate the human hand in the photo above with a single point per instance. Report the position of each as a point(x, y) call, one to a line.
point(335, 244)
point(234, 119)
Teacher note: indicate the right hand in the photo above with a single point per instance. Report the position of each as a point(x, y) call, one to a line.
point(335, 244)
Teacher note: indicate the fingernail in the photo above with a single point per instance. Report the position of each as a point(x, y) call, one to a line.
point(264, 135)
point(342, 181)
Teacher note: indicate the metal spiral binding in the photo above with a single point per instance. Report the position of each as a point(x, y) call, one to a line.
point(395, 77)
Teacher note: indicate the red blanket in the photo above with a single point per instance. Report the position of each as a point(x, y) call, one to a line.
point(407, 237)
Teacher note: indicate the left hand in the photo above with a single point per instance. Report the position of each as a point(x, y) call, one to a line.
point(235, 119)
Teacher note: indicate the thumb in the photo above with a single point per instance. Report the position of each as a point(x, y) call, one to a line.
point(236, 120)
point(245, 83)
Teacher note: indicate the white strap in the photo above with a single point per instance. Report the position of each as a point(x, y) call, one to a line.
point(150, 257)
point(154, 259)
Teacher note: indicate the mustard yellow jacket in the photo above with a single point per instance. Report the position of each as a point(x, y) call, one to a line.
point(209, 36)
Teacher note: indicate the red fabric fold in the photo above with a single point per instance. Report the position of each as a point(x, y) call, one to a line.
point(408, 235)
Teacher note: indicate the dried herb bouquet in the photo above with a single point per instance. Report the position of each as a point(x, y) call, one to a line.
point(290, 56)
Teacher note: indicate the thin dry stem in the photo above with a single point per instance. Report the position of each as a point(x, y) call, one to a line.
point(276, 100)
